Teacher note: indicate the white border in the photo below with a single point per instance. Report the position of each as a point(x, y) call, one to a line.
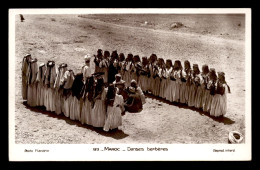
point(80, 152)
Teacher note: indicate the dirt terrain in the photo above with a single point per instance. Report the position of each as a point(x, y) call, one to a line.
point(216, 40)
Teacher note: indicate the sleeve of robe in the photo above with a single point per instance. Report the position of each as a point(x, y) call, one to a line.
point(64, 78)
point(53, 76)
point(140, 92)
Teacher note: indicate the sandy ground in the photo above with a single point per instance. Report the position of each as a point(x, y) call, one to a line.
point(67, 38)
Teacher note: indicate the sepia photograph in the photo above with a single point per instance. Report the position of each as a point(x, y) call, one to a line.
point(138, 84)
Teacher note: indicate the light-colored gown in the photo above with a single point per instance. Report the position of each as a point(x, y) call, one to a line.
point(98, 113)
point(219, 102)
point(25, 66)
point(168, 92)
point(40, 85)
point(114, 117)
point(32, 85)
point(59, 101)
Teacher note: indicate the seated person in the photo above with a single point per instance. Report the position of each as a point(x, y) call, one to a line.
point(135, 99)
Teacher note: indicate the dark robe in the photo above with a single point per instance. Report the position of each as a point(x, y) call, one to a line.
point(112, 71)
point(133, 102)
point(77, 85)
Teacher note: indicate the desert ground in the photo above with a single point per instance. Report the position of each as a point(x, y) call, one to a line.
point(216, 40)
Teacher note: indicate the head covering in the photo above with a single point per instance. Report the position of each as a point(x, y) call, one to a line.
point(221, 76)
point(42, 64)
point(196, 68)
point(136, 58)
point(87, 57)
point(186, 64)
point(27, 55)
point(130, 57)
point(169, 62)
point(106, 53)
point(205, 69)
point(121, 57)
point(118, 75)
point(212, 74)
point(133, 83)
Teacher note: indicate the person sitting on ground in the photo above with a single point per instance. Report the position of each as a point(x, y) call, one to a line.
point(135, 99)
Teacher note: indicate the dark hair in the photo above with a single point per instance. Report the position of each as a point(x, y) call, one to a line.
point(213, 75)
point(121, 57)
point(196, 69)
point(153, 57)
point(205, 69)
point(169, 62)
point(187, 65)
point(114, 54)
point(111, 93)
point(161, 62)
point(136, 58)
point(99, 86)
point(107, 53)
point(99, 53)
point(130, 57)
point(177, 65)
point(145, 60)
point(90, 87)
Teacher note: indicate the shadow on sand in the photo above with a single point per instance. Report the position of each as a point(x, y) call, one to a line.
point(115, 133)
point(221, 119)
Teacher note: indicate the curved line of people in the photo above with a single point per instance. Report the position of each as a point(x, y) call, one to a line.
point(118, 84)
point(83, 96)
point(203, 89)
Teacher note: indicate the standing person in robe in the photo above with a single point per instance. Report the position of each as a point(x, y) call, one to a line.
point(187, 77)
point(211, 88)
point(172, 83)
point(32, 85)
point(86, 70)
point(40, 85)
point(199, 92)
point(113, 64)
point(59, 105)
point(76, 88)
point(204, 82)
point(114, 103)
point(25, 66)
point(143, 78)
point(88, 98)
point(127, 71)
point(49, 80)
point(97, 60)
point(152, 72)
point(104, 64)
point(121, 62)
point(177, 76)
point(194, 85)
point(66, 83)
point(87, 92)
point(136, 98)
point(98, 114)
point(168, 71)
point(219, 101)
point(136, 68)
point(162, 75)
point(183, 86)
